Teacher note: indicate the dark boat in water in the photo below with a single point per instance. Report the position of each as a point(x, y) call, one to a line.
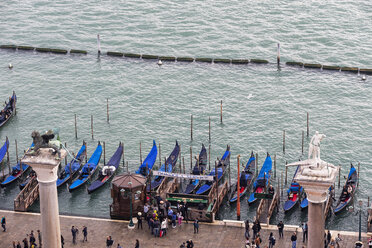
point(9, 110)
point(73, 167)
point(168, 167)
point(246, 177)
point(348, 190)
point(88, 169)
point(149, 161)
point(221, 167)
point(262, 180)
point(17, 172)
point(108, 170)
point(294, 193)
point(198, 169)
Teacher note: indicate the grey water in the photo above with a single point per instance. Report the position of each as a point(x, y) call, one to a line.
point(149, 102)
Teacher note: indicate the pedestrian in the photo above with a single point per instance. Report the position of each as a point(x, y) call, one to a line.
point(25, 243)
point(271, 240)
point(247, 244)
point(280, 229)
point(174, 218)
point(196, 226)
point(258, 240)
point(332, 244)
point(32, 238)
point(139, 220)
point(163, 226)
point(294, 239)
point(329, 237)
point(109, 242)
point(85, 234)
point(119, 246)
point(183, 245)
point(137, 244)
point(189, 244)
point(18, 245)
point(255, 230)
point(179, 217)
point(338, 241)
point(246, 234)
point(74, 232)
point(3, 223)
point(156, 228)
point(62, 241)
point(304, 232)
point(39, 237)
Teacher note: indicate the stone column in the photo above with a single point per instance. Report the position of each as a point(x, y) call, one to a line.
point(46, 167)
point(316, 195)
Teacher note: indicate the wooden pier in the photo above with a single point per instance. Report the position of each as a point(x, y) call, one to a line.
point(267, 207)
point(27, 196)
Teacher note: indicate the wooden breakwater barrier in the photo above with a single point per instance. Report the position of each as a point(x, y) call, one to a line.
point(314, 66)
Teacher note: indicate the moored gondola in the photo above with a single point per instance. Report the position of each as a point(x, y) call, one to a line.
point(294, 194)
point(9, 110)
point(348, 190)
point(149, 161)
point(198, 169)
point(262, 180)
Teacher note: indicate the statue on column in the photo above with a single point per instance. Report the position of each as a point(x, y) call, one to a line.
point(45, 141)
point(314, 146)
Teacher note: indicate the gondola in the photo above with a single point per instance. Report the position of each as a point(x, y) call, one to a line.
point(246, 177)
point(171, 163)
point(108, 170)
point(17, 172)
point(198, 169)
point(221, 167)
point(88, 169)
point(304, 203)
point(9, 110)
point(149, 161)
point(262, 180)
point(3, 151)
point(348, 190)
point(294, 193)
point(73, 167)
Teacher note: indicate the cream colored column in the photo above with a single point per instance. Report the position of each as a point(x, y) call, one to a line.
point(46, 167)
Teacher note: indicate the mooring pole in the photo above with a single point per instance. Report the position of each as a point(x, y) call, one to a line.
point(281, 179)
point(190, 158)
point(256, 163)
point(16, 150)
point(127, 166)
point(123, 155)
point(165, 164)
point(65, 157)
point(209, 150)
point(278, 55)
point(209, 129)
point(238, 191)
point(221, 113)
point(108, 116)
point(368, 202)
point(302, 146)
point(179, 158)
point(339, 176)
point(91, 124)
point(183, 163)
point(358, 174)
point(275, 165)
point(7, 157)
point(215, 169)
point(75, 128)
point(104, 153)
point(191, 128)
point(140, 152)
point(99, 44)
point(229, 177)
point(307, 123)
point(286, 172)
point(159, 156)
point(283, 141)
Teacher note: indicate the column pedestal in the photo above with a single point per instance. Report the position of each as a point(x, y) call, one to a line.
point(315, 225)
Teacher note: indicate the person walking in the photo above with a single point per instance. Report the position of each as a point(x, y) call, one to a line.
point(332, 244)
point(196, 226)
point(338, 241)
point(255, 230)
point(119, 246)
point(62, 241)
point(246, 234)
point(3, 223)
point(179, 217)
point(39, 237)
point(32, 238)
point(304, 232)
point(329, 237)
point(294, 239)
point(271, 240)
point(25, 243)
point(258, 240)
point(85, 234)
point(109, 242)
point(74, 232)
point(137, 244)
point(164, 226)
point(139, 220)
point(280, 229)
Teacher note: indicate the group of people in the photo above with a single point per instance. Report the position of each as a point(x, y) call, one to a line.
point(30, 241)
point(75, 232)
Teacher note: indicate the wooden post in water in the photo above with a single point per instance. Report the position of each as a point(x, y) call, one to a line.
point(99, 45)
point(191, 158)
point(303, 134)
point(275, 165)
point(256, 164)
point(229, 177)
point(191, 129)
point(104, 153)
point(221, 113)
point(358, 174)
point(183, 163)
point(283, 141)
point(281, 179)
point(339, 175)
point(209, 129)
point(216, 173)
point(286, 173)
point(123, 155)
point(278, 55)
point(159, 156)
point(238, 191)
point(179, 158)
point(165, 164)
point(59, 163)
point(108, 116)
point(368, 202)
point(16, 150)
point(307, 123)
point(141, 152)
point(86, 152)
point(75, 128)
point(8, 160)
point(91, 124)
point(127, 166)
point(209, 158)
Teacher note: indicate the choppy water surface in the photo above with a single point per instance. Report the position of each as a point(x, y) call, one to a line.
point(151, 102)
